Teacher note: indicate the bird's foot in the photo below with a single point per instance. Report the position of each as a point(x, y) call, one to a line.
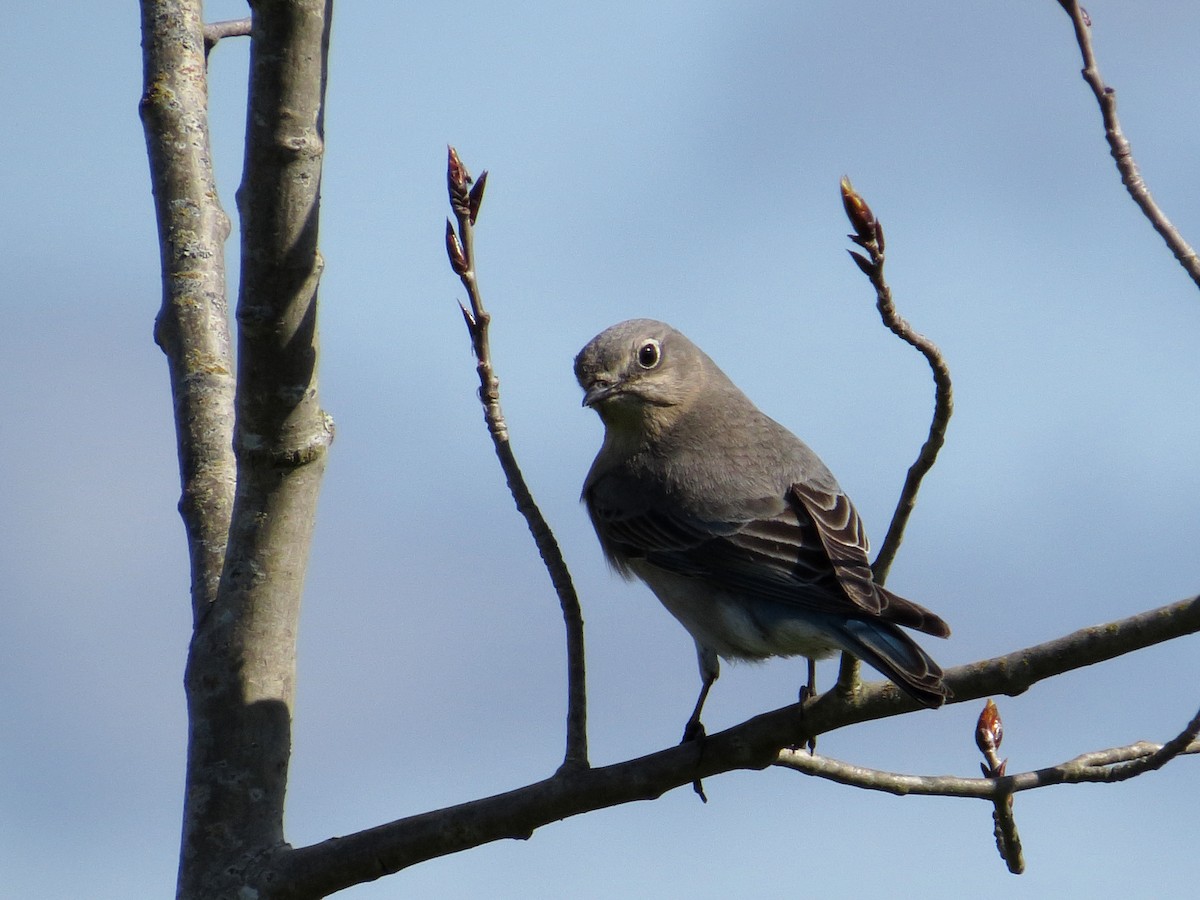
point(807, 693)
point(694, 731)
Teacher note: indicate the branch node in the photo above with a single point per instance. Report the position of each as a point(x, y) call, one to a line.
point(989, 733)
point(215, 31)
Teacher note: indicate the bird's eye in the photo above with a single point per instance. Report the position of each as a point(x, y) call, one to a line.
point(649, 354)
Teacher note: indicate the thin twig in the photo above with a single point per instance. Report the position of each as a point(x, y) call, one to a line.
point(868, 234)
point(989, 732)
point(1119, 145)
point(1184, 742)
point(1115, 764)
point(215, 31)
point(192, 327)
point(465, 201)
point(1100, 766)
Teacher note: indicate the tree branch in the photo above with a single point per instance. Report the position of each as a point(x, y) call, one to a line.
point(1119, 146)
point(868, 234)
point(192, 327)
point(1018, 671)
point(338, 863)
point(1099, 766)
point(240, 678)
point(215, 31)
point(465, 201)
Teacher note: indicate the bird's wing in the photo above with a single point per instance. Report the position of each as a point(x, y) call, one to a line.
point(630, 528)
point(809, 551)
point(841, 533)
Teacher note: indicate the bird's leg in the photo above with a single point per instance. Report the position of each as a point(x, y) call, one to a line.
point(694, 729)
point(809, 689)
point(807, 692)
point(710, 670)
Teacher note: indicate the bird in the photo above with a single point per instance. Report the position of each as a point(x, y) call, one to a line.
point(733, 522)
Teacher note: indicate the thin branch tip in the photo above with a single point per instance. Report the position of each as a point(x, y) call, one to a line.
point(868, 234)
point(465, 202)
point(1120, 148)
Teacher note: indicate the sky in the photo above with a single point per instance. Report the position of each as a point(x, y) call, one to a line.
point(678, 161)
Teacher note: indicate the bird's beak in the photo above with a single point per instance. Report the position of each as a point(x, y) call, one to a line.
point(599, 392)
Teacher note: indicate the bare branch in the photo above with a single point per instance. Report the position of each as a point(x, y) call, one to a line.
point(240, 678)
point(1099, 766)
point(1018, 671)
point(320, 869)
point(465, 201)
point(869, 235)
point(1112, 765)
point(215, 31)
point(1119, 146)
point(1119, 770)
point(192, 327)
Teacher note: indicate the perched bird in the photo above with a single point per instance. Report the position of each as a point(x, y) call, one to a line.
point(733, 522)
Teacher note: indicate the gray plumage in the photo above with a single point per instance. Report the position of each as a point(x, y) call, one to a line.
point(733, 522)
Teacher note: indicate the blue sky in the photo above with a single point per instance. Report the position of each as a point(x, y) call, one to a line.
point(678, 161)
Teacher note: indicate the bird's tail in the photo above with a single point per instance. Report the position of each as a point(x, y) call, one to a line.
point(894, 608)
point(897, 656)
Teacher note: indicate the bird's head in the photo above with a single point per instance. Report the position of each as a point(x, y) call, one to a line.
point(639, 374)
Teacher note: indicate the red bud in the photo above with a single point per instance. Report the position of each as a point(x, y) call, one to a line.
point(454, 250)
point(862, 262)
point(456, 173)
point(457, 179)
point(989, 731)
point(476, 196)
point(857, 211)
